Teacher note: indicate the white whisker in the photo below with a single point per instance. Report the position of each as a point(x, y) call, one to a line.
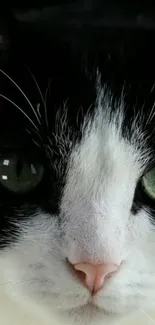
point(41, 95)
point(11, 283)
point(34, 131)
point(38, 110)
point(46, 93)
point(10, 101)
point(150, 318)
point(152, 89)
point(151, 115)
point(36, 143)
point(22, 92)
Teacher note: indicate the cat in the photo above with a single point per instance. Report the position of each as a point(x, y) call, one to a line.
point(77, 166)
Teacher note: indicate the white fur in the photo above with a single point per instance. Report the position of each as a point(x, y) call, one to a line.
point(36, 285)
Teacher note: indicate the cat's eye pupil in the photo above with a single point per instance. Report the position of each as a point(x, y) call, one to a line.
point(20, 176)
point(19, 167)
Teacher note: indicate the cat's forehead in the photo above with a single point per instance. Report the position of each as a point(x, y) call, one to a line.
point(105, 152)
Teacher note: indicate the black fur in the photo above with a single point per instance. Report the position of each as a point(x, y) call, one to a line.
point(65, 43)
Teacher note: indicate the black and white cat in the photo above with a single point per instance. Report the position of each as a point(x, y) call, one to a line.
point(77, 164)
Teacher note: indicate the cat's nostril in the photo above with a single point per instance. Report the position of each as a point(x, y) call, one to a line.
point(92, 276)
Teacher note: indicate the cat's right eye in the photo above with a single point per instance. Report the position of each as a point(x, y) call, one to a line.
point(20, 176)
point(148, 183)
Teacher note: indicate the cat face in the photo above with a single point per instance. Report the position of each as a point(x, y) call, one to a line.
point(76, 184)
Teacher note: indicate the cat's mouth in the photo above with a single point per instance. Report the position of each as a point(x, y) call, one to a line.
point(92, 309)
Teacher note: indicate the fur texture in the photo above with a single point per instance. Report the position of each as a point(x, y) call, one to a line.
point(82, 104)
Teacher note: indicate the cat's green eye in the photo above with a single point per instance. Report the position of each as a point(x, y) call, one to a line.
point(148, 182)
point(20, 176)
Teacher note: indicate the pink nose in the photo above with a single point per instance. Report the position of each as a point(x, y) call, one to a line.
point(93, 276)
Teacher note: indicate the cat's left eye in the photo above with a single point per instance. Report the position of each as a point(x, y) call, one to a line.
point(148, 183)
point(20, 176)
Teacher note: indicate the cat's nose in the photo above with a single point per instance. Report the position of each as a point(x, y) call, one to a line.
point(93, 276)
